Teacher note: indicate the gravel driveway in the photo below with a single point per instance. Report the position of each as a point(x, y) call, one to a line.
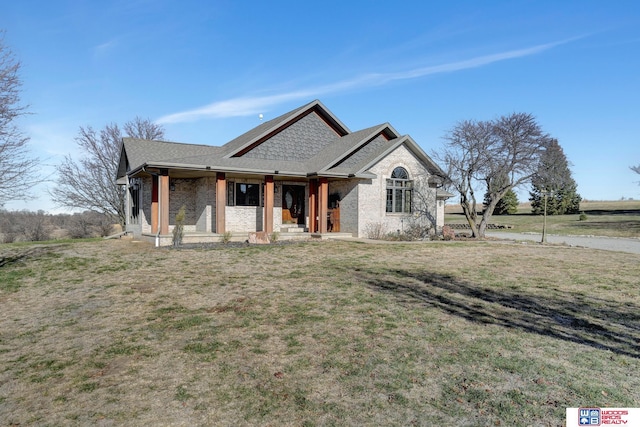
point(605, 243)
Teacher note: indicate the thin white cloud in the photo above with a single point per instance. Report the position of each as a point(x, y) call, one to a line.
point(247, 106)
point(105, 48)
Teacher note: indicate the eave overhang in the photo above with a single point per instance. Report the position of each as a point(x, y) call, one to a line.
point(156, 167)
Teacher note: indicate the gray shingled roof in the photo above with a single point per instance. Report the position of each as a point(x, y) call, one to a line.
point(263, 130)
point(340, 148)
point(298, 142)
point(138, 152)
point(304, 141)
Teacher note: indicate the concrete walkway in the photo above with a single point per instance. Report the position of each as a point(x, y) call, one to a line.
point(618, 244)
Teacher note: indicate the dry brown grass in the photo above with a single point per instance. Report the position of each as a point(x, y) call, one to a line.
point(603, 218)
point(326, 333)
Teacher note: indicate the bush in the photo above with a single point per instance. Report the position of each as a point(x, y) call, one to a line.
point(582, 217)
point(226, 237)
point(26, 225)
point(448, 233)
point(88, 224)
point(418, 231)
point(178, 229)
point(79, 227)
point(396, 236)
point(375, 230)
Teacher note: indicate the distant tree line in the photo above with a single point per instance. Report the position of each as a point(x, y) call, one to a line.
point(29, 226)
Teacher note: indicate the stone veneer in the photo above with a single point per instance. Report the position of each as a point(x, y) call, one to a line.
point(372, 194)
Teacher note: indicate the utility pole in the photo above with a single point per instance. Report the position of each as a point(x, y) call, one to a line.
point(544, 221)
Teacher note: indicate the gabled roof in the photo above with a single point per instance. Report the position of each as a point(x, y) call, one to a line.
point(138, 152)
point(307, 141)
point(246, 141)
point(346, 146)
point(381, 151)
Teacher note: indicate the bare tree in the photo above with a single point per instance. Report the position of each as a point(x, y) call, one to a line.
point(18, 170)
point(497, 155)
point(89, 183)
point(636, 169)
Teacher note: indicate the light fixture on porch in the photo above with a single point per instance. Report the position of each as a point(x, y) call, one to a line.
point(172, 186)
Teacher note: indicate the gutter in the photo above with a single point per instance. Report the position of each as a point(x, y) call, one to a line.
point(146, 168)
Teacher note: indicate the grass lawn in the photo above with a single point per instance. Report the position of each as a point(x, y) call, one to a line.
point(616, 219)
point(315, 333)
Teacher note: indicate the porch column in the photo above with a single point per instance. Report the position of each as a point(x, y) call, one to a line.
point(268, 203)
point(164, 201)
point(154, 204)
point(323, 205)
point(313, 205)
point(221, 201)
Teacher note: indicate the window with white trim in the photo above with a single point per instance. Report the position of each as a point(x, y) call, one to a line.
point(399, 191)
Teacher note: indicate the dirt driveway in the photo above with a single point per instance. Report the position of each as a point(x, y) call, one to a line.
point(595, 242)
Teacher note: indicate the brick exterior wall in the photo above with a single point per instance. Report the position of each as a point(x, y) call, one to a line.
point(205, 204)
point(145, 217)
point(362, 201)
point(348, 191)
point(372, 194)
point(244, 218)
point(183, 193)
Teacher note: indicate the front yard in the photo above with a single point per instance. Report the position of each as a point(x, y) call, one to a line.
point(315, 333)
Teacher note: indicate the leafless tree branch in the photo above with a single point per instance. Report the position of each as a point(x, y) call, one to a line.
point(89, 183)
point(18, 169)
point(499, 155)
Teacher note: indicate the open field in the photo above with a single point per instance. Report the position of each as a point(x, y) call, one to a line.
point(316, 333)
point(613, 218)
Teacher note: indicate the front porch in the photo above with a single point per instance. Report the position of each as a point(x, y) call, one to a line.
point(230, 207)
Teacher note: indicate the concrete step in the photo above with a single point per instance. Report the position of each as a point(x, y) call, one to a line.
point(293, 229)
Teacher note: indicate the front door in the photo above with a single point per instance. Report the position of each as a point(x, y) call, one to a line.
point(293, 204)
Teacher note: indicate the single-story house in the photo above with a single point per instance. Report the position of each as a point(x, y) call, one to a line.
point(303, 173)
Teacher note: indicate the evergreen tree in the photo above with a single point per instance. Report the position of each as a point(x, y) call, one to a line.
point(507, 205)
point(553, 177)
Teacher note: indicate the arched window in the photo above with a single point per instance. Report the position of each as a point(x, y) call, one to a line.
point(399, 190)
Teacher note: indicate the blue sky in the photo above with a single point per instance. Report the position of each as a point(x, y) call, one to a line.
point(207, 69)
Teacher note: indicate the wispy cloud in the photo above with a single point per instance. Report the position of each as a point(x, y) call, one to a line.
point(247, 106)
point(105, 48)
